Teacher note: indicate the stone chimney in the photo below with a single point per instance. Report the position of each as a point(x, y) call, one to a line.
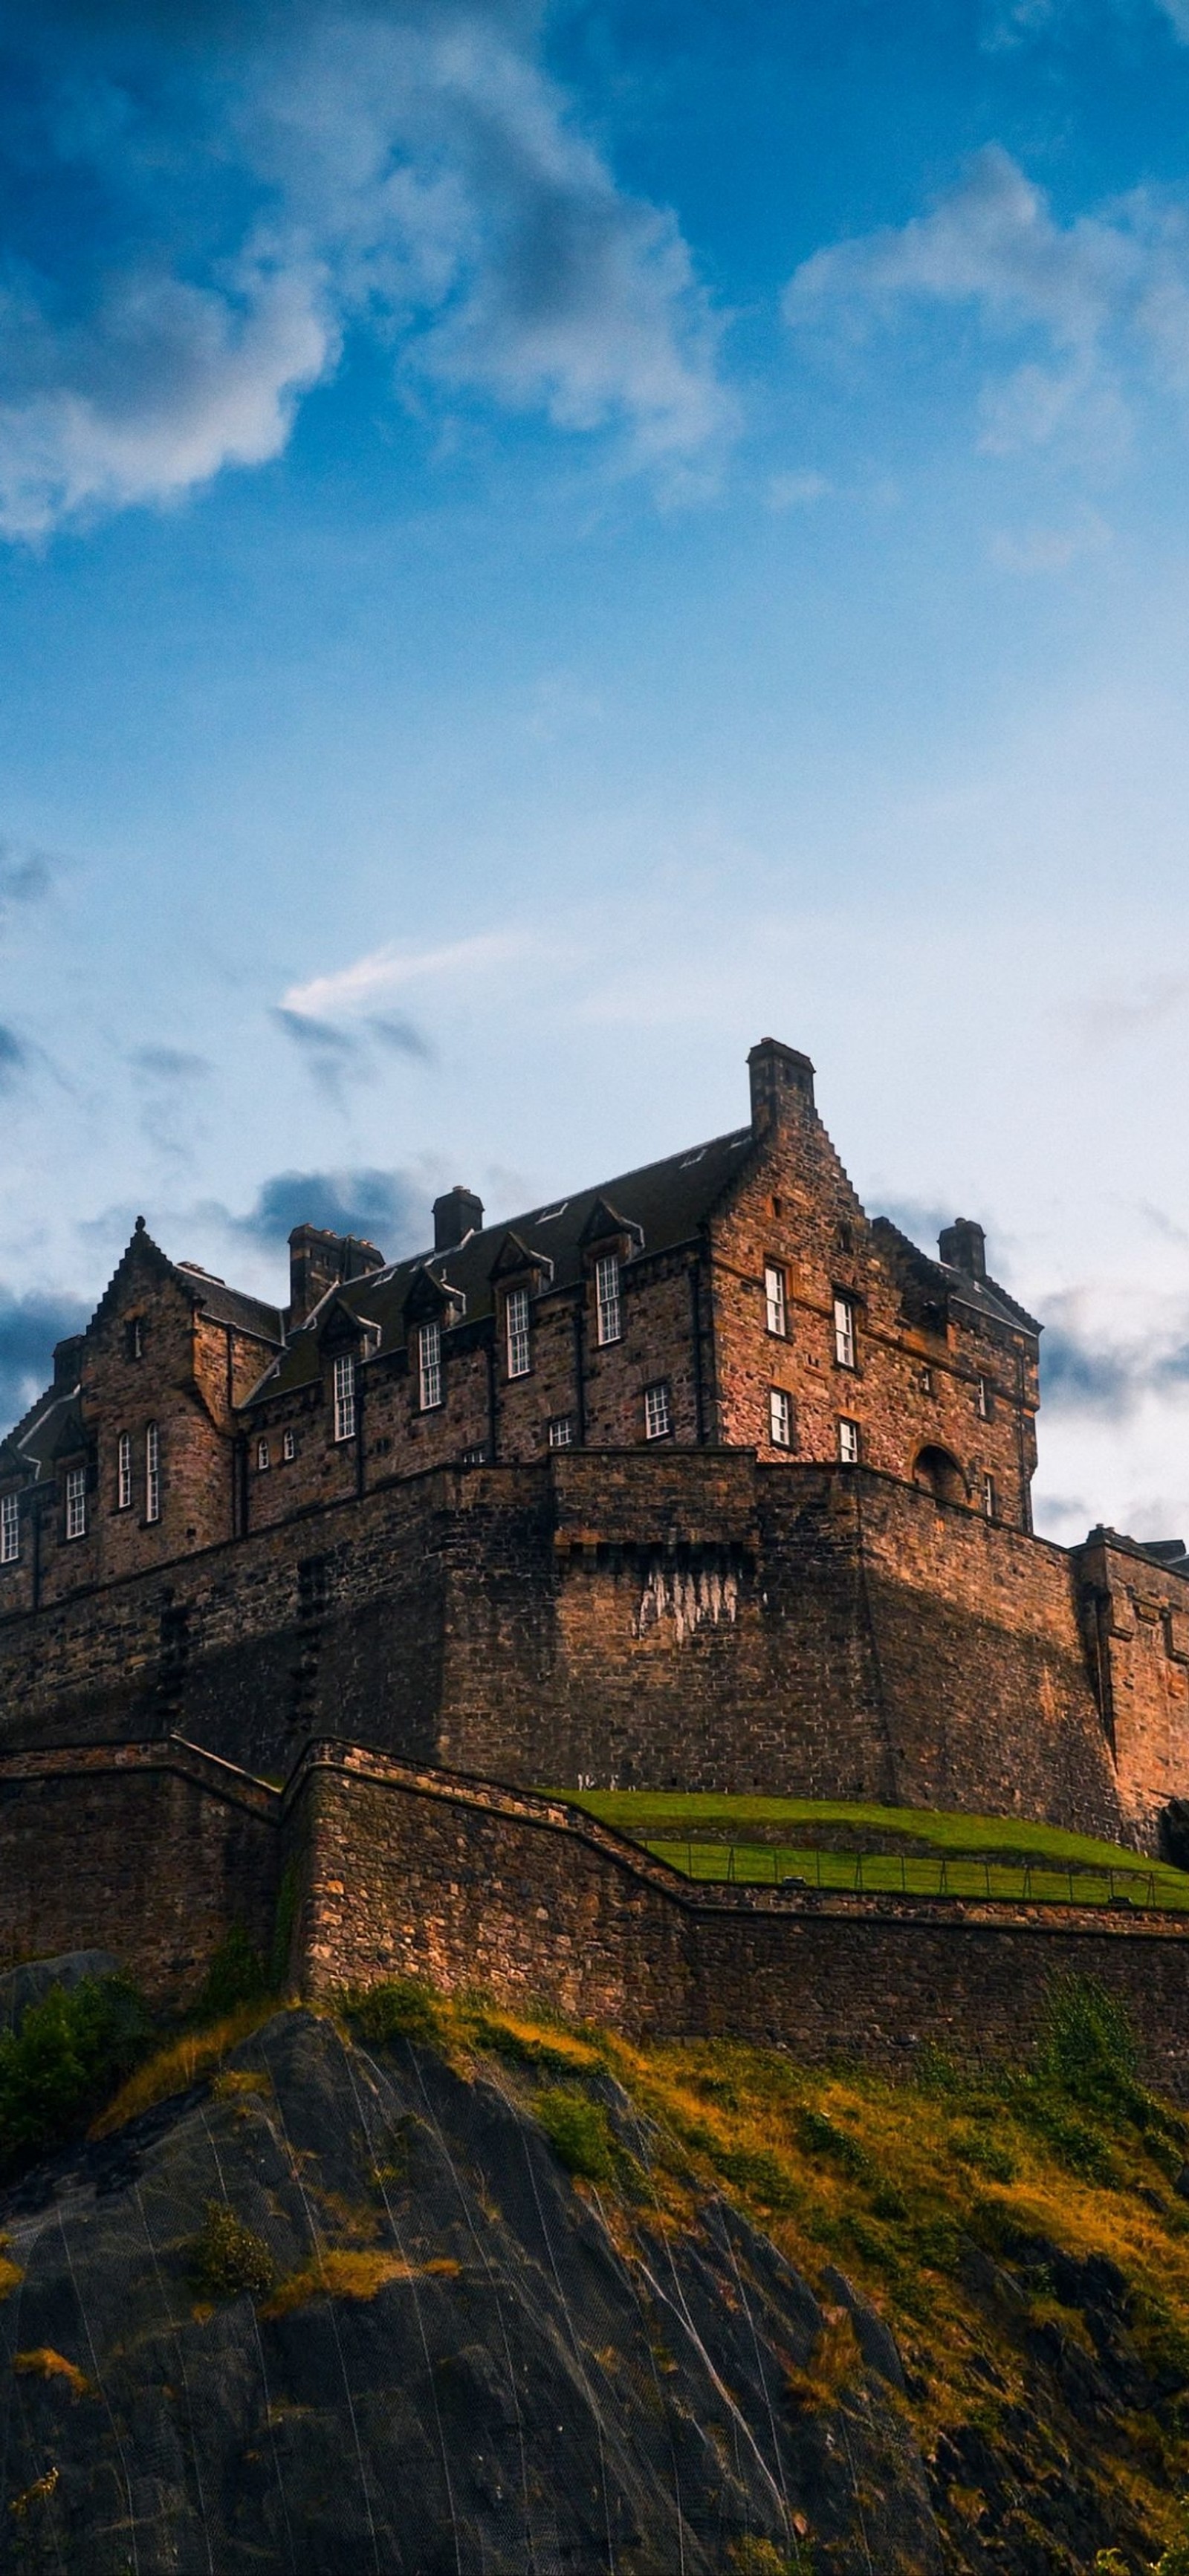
point(455, 1215)
point(67, 1363)
point(319, 1260)
point(963, 1246)
point(781, 1082)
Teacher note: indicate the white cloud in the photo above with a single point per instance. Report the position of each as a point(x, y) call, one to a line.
point(1042, 550)
point(1107, 293)
point(384, 970)
point(412, 171)
point(796, 491)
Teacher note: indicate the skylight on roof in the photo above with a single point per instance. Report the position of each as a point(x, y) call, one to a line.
point(545, 1216)
point(690, 1159)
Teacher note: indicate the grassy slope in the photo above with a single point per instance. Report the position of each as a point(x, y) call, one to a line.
point(655, 1816)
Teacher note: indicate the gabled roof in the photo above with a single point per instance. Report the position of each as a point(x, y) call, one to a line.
point(939, 1284)
point(662, 1205)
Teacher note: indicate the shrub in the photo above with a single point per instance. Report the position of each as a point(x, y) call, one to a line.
point(1088, 2048)
point(758, 2171)
point(235, 1976)
point(818, 2136)
point(578, 2131)
point(72, 2048)
point(226, 2258)
point(400, 2010)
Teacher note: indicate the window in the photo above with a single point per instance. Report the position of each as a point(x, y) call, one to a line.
point(476, 1457)
point(344, 1397)
point(124, 1472)
point(848, 1443)
point(607, 1297)
point(516, 1320)
point(262, 1457)
point(561, 1431)
point(780, 1418)
point(10, 1529)
point(152, 1473)
point(76, 1502)
point(844, 1332)
point(989, 1497)
point(774, 1299)
point(135, 1337)
point(983, 1400)
point(926, 1381)
point(429, 1352)
point(289, 1446)
point(656, 1411)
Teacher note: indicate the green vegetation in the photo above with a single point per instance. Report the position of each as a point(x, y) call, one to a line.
point(754, 1840)
point(226, 2258)
point(578, 2131)
point(402, 2009)
point(236, 1975)
point(71, 2050)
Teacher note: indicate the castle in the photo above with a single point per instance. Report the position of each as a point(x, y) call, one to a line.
point(697, 1478)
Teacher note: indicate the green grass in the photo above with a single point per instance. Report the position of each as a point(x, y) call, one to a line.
point(972, 1852)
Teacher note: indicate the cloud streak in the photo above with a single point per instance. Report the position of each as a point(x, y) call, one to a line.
point(356, 988)
point(215, 200)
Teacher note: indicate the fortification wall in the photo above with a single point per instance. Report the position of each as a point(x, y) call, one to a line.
point(151, 1851)
point(687, 1618)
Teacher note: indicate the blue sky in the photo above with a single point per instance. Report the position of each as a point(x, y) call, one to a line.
point(539, 545)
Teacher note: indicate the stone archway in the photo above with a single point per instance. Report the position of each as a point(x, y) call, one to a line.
point(937, 1472)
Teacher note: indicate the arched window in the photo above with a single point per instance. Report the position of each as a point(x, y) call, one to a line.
point(938, 1473)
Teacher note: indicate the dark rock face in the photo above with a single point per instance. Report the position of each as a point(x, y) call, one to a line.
point(537, 2385)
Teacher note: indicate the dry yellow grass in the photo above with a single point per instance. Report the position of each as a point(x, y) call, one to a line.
point(185, 2062)
point(338, 2272)
point(45, 2363)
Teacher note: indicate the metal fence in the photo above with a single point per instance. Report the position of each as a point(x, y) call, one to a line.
point(881, 1873)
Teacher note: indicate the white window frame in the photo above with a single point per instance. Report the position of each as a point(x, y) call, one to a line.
point(983, 1400)
point(288, 1446)
point(561, 1431)
point(780, 1417)
point(518, 1340)
point(76, 1502)
point(263, 1457)
point(124, 1472)
point(608, 1299)
point(844, 1332)
point(848, 1442)
point(429, 1367)
point(10, 1529)
point(658, 1410)
point(152, 1472)
point(990, 1498)
point(344, 1396)
point(775, 1300)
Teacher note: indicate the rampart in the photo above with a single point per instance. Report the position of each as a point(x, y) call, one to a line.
point(696, 1619)
point(154, 1850)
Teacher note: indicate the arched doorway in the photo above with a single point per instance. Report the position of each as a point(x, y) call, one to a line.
point(938, 1473)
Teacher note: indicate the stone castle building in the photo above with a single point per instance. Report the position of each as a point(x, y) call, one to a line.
point(698, 1477)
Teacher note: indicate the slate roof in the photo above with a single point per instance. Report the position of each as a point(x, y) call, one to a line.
point(663, 1204)
point(942, 1283)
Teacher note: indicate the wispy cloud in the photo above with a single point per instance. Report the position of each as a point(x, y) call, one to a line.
point(14, 1057)
point(1121, 1011)
point(1108, 294)
point(1082, 1372)
point(29, 1328)
point(222, 195)
point(388, 1208)
point(1032, 551)
point(26, 875)
point(356, 988)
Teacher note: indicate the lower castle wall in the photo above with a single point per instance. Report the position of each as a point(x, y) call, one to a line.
point(154, 1850)
point(151, 1851)
point(687, 1619)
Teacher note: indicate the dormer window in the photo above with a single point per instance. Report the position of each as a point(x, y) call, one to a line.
point(10, 1529)
point(775, 1306)
point(344, 1397)
point(124, 1472)
point(152, 1473)
point(517, 1330)
point(429, 1370)
point(607, 1298)
point(76, 1502)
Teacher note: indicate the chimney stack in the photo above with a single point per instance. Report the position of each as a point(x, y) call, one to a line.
point(319, 1260)
point(781, 1080)
point(963, 1246)
point(455, 1215)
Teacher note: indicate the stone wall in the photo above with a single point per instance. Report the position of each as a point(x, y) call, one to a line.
point(633, 1618)
point(151, 1851)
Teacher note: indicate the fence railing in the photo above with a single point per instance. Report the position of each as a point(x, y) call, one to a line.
point(883, 1873)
